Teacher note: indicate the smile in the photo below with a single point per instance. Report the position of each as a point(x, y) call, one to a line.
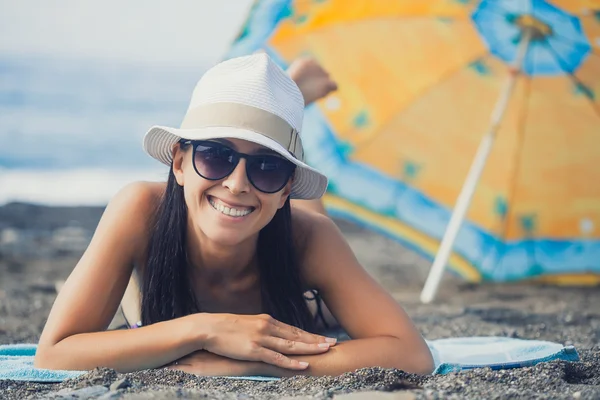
point(236, 212)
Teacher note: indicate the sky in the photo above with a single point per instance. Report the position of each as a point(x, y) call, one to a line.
point(183, 32)
point(81, 82)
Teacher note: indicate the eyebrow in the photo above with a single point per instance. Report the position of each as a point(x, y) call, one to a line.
point(259, 151)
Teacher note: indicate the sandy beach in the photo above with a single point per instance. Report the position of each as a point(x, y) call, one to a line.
point(562, 315)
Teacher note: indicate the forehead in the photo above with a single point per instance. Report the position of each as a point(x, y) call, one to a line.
point(244, 146)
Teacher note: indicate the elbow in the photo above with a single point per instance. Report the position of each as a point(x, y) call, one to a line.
point(43, 359)
point(420, 364)
point(423, 363)
point(46, 358)
point(415, 359)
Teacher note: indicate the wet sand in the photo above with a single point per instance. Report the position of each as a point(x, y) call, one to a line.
point(563, 315)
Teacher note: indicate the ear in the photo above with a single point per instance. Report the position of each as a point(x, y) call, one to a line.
point(287, 190)
point(178, 157)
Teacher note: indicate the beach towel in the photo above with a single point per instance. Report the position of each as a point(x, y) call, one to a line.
point(16, 363)
point(450, 355)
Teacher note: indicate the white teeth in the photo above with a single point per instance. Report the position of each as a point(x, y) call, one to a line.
point(232, 212)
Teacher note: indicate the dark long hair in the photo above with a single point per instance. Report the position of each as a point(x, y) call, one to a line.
point(167, 293)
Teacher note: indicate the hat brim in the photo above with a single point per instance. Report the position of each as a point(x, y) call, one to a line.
point(159, 141)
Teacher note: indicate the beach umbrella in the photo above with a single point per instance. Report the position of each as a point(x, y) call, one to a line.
point(468, 130)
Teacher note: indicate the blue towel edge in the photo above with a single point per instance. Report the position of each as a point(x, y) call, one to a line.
point(567, 353)
point(67, 375)
point(19, 350)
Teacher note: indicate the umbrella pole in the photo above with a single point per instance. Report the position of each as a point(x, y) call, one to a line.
point(464, 198)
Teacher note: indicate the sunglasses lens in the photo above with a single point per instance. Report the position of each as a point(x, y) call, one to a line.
point(214, 161)
point(269, 174)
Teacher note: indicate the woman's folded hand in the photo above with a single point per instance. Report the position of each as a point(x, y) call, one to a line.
point(260, 338)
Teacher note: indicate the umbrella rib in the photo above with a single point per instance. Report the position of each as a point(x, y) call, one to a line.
point(417, 96)
point(574, 78)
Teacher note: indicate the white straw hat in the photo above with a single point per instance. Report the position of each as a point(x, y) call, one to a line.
point(247, 98)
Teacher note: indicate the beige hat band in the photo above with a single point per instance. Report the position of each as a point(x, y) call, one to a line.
point(236, 115)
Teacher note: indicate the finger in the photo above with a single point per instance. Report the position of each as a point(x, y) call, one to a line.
point(288, 346)
point(290, 332)
point(281, 361)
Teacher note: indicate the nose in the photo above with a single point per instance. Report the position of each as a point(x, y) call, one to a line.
point(237, 182)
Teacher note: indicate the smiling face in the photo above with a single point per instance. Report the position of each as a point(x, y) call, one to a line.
point(231, 210)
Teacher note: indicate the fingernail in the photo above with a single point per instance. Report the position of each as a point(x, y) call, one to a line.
point(303, 364)
point(324, 345)
point(330, 340)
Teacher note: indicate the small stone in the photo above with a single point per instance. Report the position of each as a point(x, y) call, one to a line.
point(120, 384)
point(576, 395)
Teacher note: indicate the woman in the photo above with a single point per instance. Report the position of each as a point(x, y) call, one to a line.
point(224, 259)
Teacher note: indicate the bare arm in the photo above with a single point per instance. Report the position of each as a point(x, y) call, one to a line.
point(384, 352)
point(74, 336)
point(383, 334)
point(123, 350)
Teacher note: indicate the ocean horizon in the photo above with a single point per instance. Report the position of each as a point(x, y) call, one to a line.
point(70, 187)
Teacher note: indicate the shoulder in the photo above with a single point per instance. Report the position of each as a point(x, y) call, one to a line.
point(307, 224)
point(304, 224)
point(318, 239)
point(139, 197)
point(137, 201)
point(130, 213)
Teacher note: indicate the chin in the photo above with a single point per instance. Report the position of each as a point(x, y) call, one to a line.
point(226, 238)
point(223, 235)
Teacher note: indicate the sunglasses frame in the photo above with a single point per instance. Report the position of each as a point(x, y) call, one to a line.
point(237, 156)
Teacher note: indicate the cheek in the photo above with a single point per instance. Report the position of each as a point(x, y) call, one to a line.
point(195, 187)
point(271, 203)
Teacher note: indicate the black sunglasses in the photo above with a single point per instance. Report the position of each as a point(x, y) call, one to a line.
point(214, 161)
